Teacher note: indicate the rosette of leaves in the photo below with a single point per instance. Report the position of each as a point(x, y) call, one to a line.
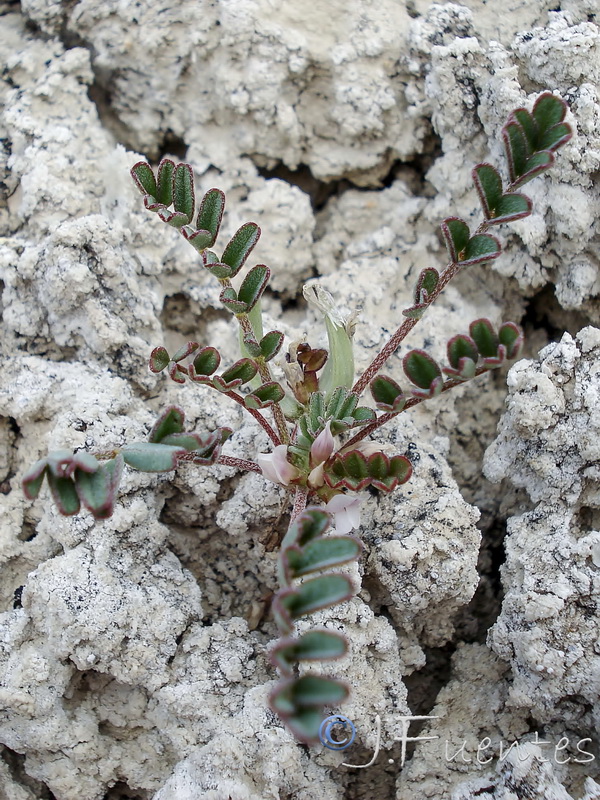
point(300, 701)
point(341, 410)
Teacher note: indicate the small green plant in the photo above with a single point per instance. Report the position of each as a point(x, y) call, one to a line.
point(314, 421)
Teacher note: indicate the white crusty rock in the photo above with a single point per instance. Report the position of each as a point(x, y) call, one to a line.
point(548, 444)
point(134, 651)
point(469, 88)
point(422, 550)
point(476, 730)
point(549, 437)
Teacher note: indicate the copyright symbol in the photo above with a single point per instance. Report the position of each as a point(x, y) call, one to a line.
point(343, 727)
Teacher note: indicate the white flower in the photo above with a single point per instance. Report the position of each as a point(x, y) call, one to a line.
point(367, 448)
point(320, 450)
point(346, 511)
point(276, 467)
point(339, 369)
point(322, 447)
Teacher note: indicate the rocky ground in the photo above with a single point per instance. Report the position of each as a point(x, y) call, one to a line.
point(133, 651)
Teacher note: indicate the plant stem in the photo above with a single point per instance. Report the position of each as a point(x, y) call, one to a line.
point(451, 269)
point(258, 417)
point(239, 463)
point(280, 422)
point(300, 498)
point(372, 426)
point(392, 345)
point(265, 374)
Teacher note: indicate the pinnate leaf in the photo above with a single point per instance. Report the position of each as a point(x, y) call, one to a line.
point(151, 456)
point(311, 646)
point(387, 394)
point(544, 130)
point(355, 471)
point(98, 490)
point(240, 246)
point(254, 285)
point(210, 214)
point(421, 369)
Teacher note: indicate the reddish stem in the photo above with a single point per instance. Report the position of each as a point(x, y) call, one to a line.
point(239, 463)
point(258, 417)
point(392, 345)
point(265, 374)
point(446, 276)
point(300, 498)
point(414, 401)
